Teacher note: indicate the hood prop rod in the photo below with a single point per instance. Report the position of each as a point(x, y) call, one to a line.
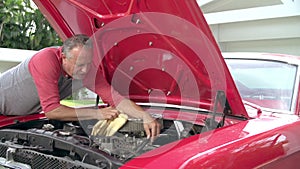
point(220, 100)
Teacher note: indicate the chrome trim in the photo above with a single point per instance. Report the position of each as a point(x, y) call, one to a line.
point(171, 106)
point(295, 92)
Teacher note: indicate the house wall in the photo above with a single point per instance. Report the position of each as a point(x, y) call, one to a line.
point(12, 57)
point(278, 35)
point(271, 28)
point(6, 65)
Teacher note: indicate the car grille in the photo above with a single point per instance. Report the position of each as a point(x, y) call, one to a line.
point(39, 160)
point(3, 150)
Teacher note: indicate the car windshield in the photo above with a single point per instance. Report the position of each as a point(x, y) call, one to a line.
point(269, 84)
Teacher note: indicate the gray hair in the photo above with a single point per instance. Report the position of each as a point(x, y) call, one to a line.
point(79, 40)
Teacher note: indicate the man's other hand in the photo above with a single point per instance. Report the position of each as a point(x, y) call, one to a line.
point(108, 113)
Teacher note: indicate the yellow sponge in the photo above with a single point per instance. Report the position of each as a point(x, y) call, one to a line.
point(109, 127)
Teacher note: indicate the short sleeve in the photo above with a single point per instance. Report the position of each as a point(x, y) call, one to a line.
point(45, 69)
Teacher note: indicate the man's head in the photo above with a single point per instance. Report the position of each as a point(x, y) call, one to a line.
point(77, 56)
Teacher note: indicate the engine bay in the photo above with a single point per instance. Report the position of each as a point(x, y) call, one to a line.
point(57, 144)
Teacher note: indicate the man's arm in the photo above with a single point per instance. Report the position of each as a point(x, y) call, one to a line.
point(65, 113)
point(112, 97)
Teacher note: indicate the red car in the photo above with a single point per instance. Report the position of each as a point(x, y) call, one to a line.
point(163, 56)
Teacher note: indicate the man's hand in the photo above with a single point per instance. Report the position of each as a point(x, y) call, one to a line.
point(151, 126)
point(108, 113)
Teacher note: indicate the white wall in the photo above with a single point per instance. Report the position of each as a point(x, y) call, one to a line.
point(11, 57)
point(6, 65)
point(280, 35)
point(274, 28)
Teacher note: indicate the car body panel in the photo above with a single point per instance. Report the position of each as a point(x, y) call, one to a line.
point(12, 120)
point(249, 144)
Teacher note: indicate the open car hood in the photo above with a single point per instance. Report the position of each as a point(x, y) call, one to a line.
point(151, 50)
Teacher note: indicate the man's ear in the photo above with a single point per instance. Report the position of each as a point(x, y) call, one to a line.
point(63, 56)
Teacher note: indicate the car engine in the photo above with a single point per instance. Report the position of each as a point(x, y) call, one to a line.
point(56, 144)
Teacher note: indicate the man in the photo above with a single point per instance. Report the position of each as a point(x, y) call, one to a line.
point(40, 82)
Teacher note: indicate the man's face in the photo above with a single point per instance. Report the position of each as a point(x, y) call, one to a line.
point(79, 64)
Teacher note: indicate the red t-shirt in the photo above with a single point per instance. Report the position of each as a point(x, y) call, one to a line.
point(46, 70)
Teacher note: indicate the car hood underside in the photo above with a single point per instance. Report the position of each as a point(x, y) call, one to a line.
point(150, 50)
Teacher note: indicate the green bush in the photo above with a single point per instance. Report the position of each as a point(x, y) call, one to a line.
point(22, 26)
